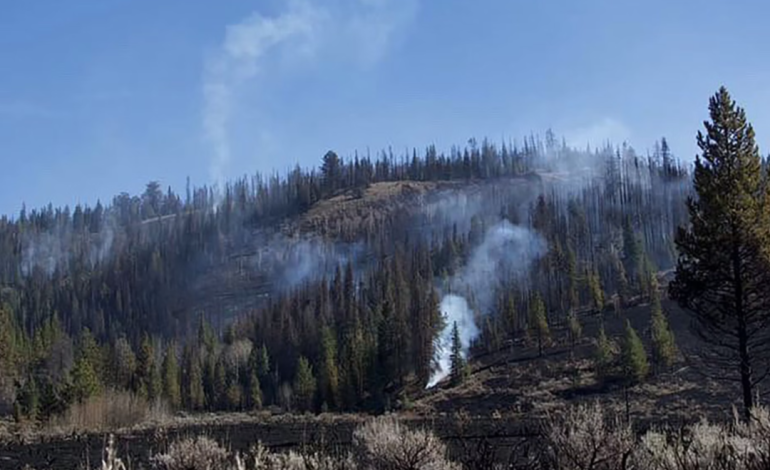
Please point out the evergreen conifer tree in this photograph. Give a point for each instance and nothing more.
(458, 365)
(663, 342)
(171, 389)
(575, 329)
(723, 269)
(329, 373)
(603, 356)
(255, 391)
(304, 385)
(633, 356)
(597, 293)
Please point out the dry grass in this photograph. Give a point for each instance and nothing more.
(108, 412)
(261, 458)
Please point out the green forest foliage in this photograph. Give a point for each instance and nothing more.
(97, 298)
(634, 364)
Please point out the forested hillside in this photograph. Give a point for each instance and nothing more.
(333, 288)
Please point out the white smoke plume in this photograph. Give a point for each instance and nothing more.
(454, 309)
(506, 253)
(355, 31)
(239, 60)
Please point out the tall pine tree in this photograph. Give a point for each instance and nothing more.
(723, 271)
(171, 389)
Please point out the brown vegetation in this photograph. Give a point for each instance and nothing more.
(107, 412)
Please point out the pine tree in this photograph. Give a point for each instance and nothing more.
(624, 289)
(263, 362)
(353, 375)
(234, 395)
(603, 356)
(492, 335)
(171, 389)
(575, 329)
(206, 336)
(510, 315)
(194, 395)
(219, 395)
(663, 343)
(9, 351)
(155, 388)
(85, 383)
(633, 356)
(89, 348)
(632, 251)
(386, 340)
(52, 401)
(646, 275)
(538, 323)
(29, 399)
(330, 171)
(145, 367)
(573, 299)
(210, 390)
(597, 293)
(459, 367)
(328, 378)
(255, 391)
(123, 364)
(304, 385)
(723, 271)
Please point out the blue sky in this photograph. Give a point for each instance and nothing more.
(101, 96)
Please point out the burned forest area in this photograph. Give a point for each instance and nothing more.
(518, 304)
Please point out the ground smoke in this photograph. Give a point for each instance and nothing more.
(506, 254)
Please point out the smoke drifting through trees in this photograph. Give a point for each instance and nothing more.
(364, 250)
(505, 255)
(55, 249)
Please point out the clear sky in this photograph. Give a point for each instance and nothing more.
(101, 96)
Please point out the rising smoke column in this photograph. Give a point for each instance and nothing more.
(507, 252)
(304, 32)
(454, 309)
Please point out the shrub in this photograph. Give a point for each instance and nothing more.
(585, 439)
(385, 444)
(739, 446)
(201, 453)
